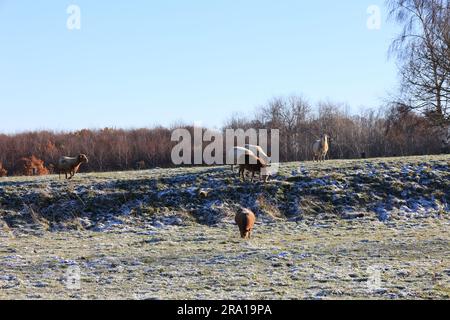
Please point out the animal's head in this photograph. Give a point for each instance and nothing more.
(262, 163)
(326, 138)
(82, 158)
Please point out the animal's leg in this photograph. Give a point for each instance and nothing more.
(253, 175)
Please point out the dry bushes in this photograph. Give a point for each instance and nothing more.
(3, 171)
(31, 166)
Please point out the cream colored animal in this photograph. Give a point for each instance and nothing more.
(259, 152)
(70, 166)
(236, 156)
(320, 148)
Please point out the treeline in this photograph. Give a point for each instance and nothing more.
(107, 149)
(393, 132)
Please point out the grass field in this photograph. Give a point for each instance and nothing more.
(375, 229)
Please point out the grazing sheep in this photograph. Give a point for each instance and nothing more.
(320, 148)
(259, 152)
(236, 156)
(253, 164)
(245, 219)
(69, 165)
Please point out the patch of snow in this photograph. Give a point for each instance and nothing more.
(383, 214)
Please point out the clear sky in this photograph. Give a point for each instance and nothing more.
(144, 62)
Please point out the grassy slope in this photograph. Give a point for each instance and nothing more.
(153, 234)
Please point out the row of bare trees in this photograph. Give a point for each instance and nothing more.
(412, 125)
(108, 149)
(395, 132)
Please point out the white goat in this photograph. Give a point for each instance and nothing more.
(320, 148)
(69, 166)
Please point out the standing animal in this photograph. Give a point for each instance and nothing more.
(70, 166)
(259, 152)
(253, 164)
(320, 148)
(236, 156)
(245, 219)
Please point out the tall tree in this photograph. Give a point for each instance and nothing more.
(422, 49)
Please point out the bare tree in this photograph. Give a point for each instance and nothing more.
(423, 52)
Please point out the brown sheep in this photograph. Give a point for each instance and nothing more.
(70, 166)
(245, 219)
(253, 164)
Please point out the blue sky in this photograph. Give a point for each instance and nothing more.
(139, 63)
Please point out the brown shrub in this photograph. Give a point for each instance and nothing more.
(140, 165)
(3, 172)
(31, 166)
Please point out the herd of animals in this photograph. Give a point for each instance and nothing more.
(249, 158)
(253, 158)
